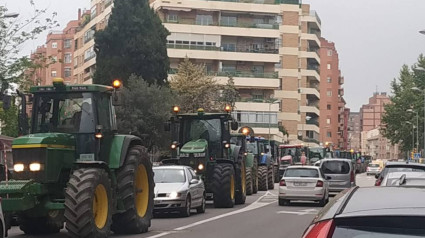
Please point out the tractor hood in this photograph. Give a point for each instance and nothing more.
(51, 140)
(197, 146)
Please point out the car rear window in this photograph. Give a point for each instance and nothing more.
(377, 232)
(374, 165)
(302, 173)
(335, 167)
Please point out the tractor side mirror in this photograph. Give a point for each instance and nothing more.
(167, 126)
(234, 125)
(117, 98)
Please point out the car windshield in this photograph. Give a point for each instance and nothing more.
(335, 167)
(169, 176)
(374, 165)
(64, 113)
(302, 173)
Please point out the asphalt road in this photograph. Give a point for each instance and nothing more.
(260, 217)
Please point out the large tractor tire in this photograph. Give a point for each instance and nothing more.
(276, 173)
(262, 178)
(89, 203)
(41, 225)
(249, 181)
(240, 195)
(270, 178)
(135, 188)
(223, 185)
(254, 179)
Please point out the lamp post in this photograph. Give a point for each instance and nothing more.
(10, 15)
(307, 118)
(417, 127)
(413, 134)
(270, 104)
(420, 90)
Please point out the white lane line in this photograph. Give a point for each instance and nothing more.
(300, 213)
(255, 205)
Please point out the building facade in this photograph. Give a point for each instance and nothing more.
(269, 48)
(332, 103)
(354, 131)
(371, 113)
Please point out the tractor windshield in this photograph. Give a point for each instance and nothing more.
(196, 129)
(63, 113)
(252, 147)
(317, 152)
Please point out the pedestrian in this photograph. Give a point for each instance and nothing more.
(303, 158)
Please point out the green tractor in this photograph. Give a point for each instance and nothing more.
(202, 141)
(74, 168)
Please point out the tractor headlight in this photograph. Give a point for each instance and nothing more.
(35, 167)
(200, 166)
(173, 195)
(18, 167)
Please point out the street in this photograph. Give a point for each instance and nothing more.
(259, 217)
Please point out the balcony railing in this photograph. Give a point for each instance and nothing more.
(107, 3)
(215, 48)
(245, 74)
(313, 122)
(259, 1)
(313, 105)
(228, 24)
(261, 125)
(314, 67)
(311, 140)
(314, 14)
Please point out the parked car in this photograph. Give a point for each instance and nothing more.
(306, 183)
(404, 179)
(341, 173)
(353, 213)
(373, 169)
(398, 167)
(178, 188)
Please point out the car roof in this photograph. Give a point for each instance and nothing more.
(302, 167)
(336, 159)
(404, 164)
(365, 202)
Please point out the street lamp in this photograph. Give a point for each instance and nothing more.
(421, 91)
(417, 127)
(10, 15)
(270, 104)
(413, 134)
(307, 118)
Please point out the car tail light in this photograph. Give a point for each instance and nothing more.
(378, 182)
(352, 177)
(323, 229)
(319, 184)
(282, 183)
(368, 169)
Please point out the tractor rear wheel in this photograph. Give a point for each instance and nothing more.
(270, 178)
(254, 173)
(41, 225)
(276, 173)
(241, 184)
(262, 178)
(223, 185)
(135, 189)
(249, 181)
(89, 203)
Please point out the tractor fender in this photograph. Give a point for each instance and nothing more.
(92, 164)
(129, 140)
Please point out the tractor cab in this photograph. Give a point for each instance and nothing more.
(292, 152)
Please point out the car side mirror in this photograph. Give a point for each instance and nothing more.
(167, 126)
(194, 181)
(234, 125)
(377, 176)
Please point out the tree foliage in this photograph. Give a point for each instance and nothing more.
(398, 122)
(14, 33)
(194, 88)
(9, 120)
(229, 93)
(145, 109)
(134, 42)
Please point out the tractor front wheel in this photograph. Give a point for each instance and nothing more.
(270, 177)
(249, 181)
(88, 203)
(135, 189)
(223, 185)
(262, 178)
(241, 185)
(276, 173)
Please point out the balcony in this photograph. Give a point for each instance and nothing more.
(242, 49)
(314, 67)
(311, 91)
(311, 140)
(258, 1)
(313, 122)
(311, 73)
(257, 106)
(108, 3)
(246, 74)
(226, 24)
(310, 109)
(260, 125)
(312, 37)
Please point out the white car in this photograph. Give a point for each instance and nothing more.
(404, 179)
(307, 183)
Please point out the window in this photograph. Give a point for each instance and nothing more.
(88, 35)
(172, 17)
(89, 54)
(75, 62)
(67, 72)
(76, 44)
(228, 68)
(228, 21)
(329, 66)
(68, 58)
(329, 80)
(329, 93)
(204, 20)
(93, 13)
(229, 47)
(54, 45)
(330, 52)
(328, 121)
(53, 73)
(329, 134)
(67, 43)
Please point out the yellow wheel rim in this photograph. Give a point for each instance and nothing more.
(232, 187)
(142, 190)
(100, 206)
(243, 179)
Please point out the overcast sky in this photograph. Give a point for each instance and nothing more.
(374, 38)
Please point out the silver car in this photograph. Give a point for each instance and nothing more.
(341, 173)
(303, 183)
(178, 189)
(404, 179)
(373, 169)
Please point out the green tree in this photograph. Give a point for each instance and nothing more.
(9, 120)
(145, 109)
(134, 42)
(229, 93)
(194, 88)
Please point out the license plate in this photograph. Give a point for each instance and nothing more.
(300, 184)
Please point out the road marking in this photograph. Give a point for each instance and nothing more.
(300, 213)
(255, 205)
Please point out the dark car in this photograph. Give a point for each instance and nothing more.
(364, 212)
(398, 167)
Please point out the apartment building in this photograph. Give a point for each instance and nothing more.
(354, 131)
(84, 56)
(371, 113)
(332, 104)
(379, 147)
(269, 47)
(55, 56)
